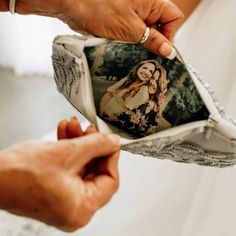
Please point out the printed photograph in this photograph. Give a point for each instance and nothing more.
(140, 92)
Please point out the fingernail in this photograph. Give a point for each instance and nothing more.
(167, 51)
(73, 118)
(172, 54)
(115, 139)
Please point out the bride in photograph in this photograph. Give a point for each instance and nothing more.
(135, 101)
(161, 197)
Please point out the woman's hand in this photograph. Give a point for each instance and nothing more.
(127, 20)
(60, 183)
(121, 19)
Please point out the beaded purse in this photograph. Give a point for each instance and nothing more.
(160, 108)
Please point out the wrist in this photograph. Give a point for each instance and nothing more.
(15, 175)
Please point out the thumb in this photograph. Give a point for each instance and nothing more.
(96, 145)
(159, 44)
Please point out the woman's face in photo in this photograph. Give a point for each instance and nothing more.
(146, 71)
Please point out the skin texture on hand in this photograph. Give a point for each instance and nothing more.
(124, 20)
(60, 183)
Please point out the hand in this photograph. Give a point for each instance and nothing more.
(126, 20)
(72, 129)
(60, 183)
(121, 19)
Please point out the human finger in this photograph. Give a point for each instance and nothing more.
(74, 128)
(90, 129)
(105, 182)
(95, 145)
(166, 18)
(159, 44)
(101, 166)
(62, 129)
(108, 165)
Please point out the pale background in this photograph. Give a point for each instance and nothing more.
(30, 105)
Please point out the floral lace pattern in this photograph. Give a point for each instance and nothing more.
(180, 151)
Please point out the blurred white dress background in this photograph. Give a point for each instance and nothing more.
(26, 41)
(160, 197)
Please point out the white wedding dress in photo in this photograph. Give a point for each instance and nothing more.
(160, 197)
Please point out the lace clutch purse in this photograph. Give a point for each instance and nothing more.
(160, 108)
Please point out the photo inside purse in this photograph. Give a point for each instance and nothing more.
(140, 92)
